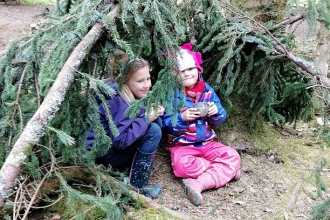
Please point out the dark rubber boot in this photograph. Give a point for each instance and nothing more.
(140, 173)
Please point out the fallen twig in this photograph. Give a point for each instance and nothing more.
(287, 21)
(34, 196)
(36, 126)
(294, 197)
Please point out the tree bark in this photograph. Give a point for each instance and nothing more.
(287, 22)
(321, 79)
(36, 126)
(309, 69)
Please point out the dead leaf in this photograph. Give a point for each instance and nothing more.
(56, 216)
(238, 202)
(238, 189)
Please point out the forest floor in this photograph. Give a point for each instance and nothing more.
(18, 19)
(277, 164)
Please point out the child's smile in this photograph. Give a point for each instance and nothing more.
(189, 77)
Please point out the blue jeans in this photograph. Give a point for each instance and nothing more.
(148, 143)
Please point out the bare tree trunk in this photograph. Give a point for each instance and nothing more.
(36, 126)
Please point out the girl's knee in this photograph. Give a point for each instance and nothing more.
(236, 158)
(154, 129)
(180, 171)
(151, 139)
(188, 167)
(231, 151)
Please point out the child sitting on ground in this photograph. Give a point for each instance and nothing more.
(202, 162)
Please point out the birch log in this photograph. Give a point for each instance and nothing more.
(302, 65)
(36, 126)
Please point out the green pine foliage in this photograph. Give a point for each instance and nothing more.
(247, 64)
(320, 211)
(32, 166)
(88, 206)
(239, 58)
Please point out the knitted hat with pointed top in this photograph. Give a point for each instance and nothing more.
(188, 58)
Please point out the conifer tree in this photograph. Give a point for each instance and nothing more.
(241, 56)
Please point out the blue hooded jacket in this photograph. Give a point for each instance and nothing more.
(130, 130)
(196, 132)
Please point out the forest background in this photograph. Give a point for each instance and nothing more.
(278, 162)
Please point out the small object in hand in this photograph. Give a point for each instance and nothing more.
(202, 107)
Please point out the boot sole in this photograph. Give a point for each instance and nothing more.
(194, 197)
(152, 191)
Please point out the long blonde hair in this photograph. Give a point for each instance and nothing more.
(131, 67)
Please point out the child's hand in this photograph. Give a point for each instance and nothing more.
(161, 110)
(190, 114)
(212, 109)
(156, 112)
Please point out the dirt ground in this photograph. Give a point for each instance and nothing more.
(17, 19)
(270, 187)
(275, 185)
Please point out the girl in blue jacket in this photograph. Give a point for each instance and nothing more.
(197, 157)
(138, 138)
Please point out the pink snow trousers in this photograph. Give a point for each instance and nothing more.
(221, 161)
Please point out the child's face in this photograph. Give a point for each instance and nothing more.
(188, 77)
(140, 82)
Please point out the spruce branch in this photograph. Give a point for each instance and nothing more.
(64, 137)
(302, 64)
(37, 88)
(17, 106)
(144, 201)
(36, 126)
(280, 47)
(35, 195)
(18, 95)
(287, 21)
(259, 24)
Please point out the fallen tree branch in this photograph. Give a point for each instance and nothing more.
(294, 197)
(146, 202)
(299, 62)
(287, 21)
(280, 47)
(36, 126)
